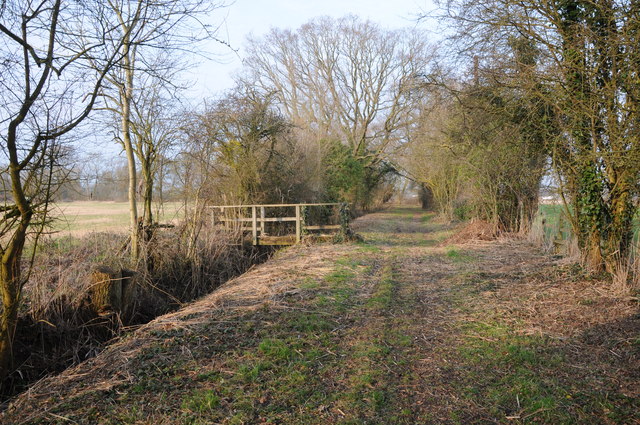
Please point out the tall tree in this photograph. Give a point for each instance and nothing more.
(150, 26)
(154, 126)
(587, 71)
(48, 89)
(347, 80)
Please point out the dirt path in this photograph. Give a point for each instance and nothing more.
(400, 329)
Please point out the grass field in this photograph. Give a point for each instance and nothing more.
(83, 217)
(556, 220)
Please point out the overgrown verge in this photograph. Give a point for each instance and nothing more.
(552, 230)
(550, 346)
(71, 310)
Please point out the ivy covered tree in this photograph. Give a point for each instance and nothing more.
(586, 71)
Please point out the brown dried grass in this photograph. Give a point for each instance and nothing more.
(262, 285)
(60, 327)
(474, 230)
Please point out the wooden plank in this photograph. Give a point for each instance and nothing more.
(276, 205)
(278, 240)
(267, 220)
(254, 225)
(323, 227)
(298, 224)
(277, 243)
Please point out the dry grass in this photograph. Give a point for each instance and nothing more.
(81, 218)
(475, 230)
(60, 325)
(398, 329)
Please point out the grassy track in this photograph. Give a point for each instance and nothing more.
(400, 329)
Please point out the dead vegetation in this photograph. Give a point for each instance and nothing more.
(81, 294)
(398, 329)
(474, 230)
(118, 365)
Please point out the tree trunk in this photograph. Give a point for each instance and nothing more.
(147, 196)
(10, 287)
(590, 209)
(126, 96)
(619, 231)
(10, 264)
(426, 197)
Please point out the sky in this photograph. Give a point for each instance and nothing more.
(257, 17)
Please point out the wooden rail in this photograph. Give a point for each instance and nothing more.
(258, 219)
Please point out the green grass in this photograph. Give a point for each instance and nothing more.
(340, 276)
(383, 295)
(368, 248)
(427, 217)
(275, 349)
(557, 224)
(310, 323)
(457, 255)
(286, 370)
(512, 374)
(202, 401)
(280, 378)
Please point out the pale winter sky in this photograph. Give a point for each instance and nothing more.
(256, 17)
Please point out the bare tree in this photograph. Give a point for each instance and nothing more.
(343, 79)
(47, 90)
(430, 157)
(150, 27)
(154, 126)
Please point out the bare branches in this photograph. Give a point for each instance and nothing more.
(585, 70)
(76, 43)
(343, 77)
(347, 80)
(152, 32)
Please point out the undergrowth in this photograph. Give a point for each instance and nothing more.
(60, 324)
(523, 377)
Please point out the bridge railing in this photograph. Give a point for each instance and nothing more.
(261, 220)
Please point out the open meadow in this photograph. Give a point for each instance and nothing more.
(80, 218)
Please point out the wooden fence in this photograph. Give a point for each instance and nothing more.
(258, 217)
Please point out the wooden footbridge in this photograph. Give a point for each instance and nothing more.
(281, 224)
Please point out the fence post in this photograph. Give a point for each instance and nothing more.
(254, 225)
(213, 217)
(262, 216)
(298, 224)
